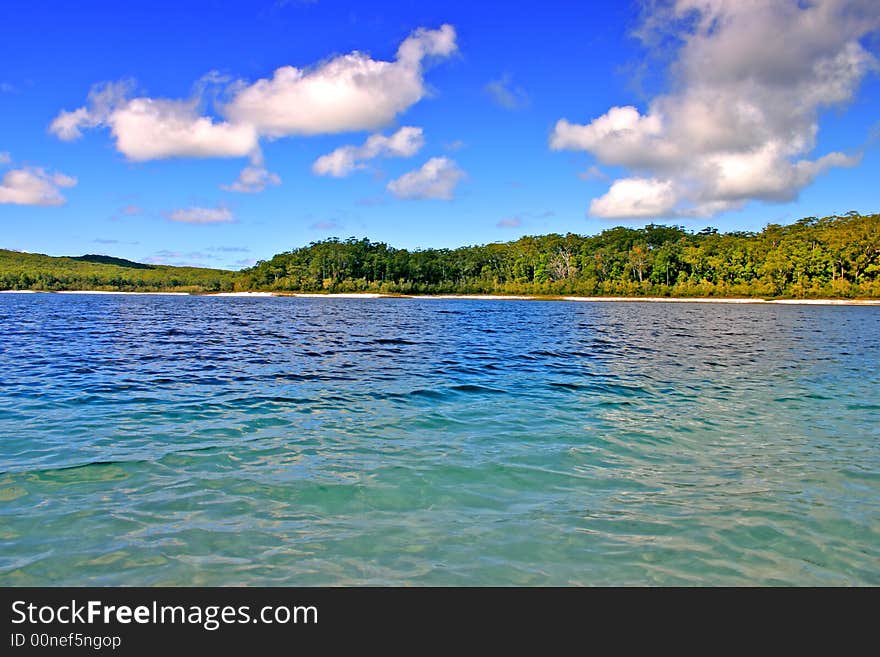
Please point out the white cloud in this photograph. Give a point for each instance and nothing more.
(150, 129)
(34, 186)
(510, 222)
(67, 125)
(103, 99)
(436, 179)
(406, 142)
(635, 197)
(347, 93)
(5, 158)
(505, 94)
(197, 215)
(253, 179)
(749, 82)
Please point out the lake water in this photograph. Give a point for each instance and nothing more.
(150, 440)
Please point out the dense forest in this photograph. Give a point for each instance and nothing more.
(835, 256)
(831, 257)
(33, 271)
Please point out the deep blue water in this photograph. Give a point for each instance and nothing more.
(195, 440)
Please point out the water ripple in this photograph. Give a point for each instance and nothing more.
(200, 441)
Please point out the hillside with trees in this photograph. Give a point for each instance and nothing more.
(835, 256)
(832, 257)
(34, 271)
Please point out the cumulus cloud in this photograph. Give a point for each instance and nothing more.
(346, 93)
(636, 198)
(253, 179)
(5, 158)
(151, 129)
(505, 94)
(436, 179)
(748, 84)
(197, 215)
(510, 222)
(406, 142)
(33, 186)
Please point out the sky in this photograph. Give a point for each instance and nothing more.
(220, 133)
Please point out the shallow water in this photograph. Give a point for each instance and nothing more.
(198, 441)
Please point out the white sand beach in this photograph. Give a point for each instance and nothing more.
(828, 302)
(808, 302)
(483, 297)
(341, 295)
(119, 293)
(666, 299)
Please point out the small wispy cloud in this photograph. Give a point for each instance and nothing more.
(593, 173)
(517, 220)
(202, 216)
(436, 179)
(252, 180)
(100, 240)
(180, 258)
(371, 201)
(228, 249)
(505, 94)
(406, 142)
(325, 225)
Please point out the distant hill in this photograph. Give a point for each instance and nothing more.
(35, 271)
(110, 260)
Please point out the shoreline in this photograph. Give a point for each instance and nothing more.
(478, 297)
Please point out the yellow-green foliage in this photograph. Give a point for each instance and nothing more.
(33, 271)
(832, 257)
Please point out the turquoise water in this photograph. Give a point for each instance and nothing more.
(276, 441)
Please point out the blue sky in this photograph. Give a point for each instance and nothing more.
(492, 121)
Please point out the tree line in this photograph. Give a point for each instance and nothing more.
(836, 256)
